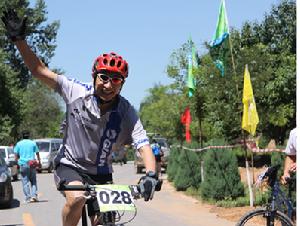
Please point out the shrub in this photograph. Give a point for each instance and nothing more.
(188, 173)
(221, 176)
(173, 163)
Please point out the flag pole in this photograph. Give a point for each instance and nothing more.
(247, 171)
(233, 63)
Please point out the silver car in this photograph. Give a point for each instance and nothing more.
(48, 148)
(7, 152)
(6, 188)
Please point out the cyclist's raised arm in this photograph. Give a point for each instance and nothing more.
(15, 29)
(35, 65)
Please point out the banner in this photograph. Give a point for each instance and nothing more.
(186, 120)
(250, 116)
(222, 30)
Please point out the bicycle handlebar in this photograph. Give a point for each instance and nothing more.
(134, 189)
(87, 187)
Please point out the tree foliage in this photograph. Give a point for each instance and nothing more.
(22, 97)
(221, 174)
(42, 114)
(188, 171)
(268, 48)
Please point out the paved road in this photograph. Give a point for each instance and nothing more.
(167, 208)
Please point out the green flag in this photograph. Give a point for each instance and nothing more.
(219, 64)
(222, 31)
(192, 63)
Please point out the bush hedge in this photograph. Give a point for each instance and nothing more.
(221, 176)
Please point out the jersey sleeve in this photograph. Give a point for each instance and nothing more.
(291, 144)
(138, 134)
(70, 89)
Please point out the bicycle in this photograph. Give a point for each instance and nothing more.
(110, 200)
(279, 210)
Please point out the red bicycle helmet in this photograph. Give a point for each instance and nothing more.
(111, 62)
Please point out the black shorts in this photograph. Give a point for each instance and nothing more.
(67, 174)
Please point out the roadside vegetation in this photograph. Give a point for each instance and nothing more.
(269, 49)
(24, 102)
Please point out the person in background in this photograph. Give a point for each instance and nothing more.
(156, 149)
(25, 151)
(290, 159)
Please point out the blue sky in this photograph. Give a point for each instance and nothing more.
(145, 33)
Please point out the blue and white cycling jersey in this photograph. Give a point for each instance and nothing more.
(90, 136)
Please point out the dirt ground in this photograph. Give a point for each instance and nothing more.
(231, 214)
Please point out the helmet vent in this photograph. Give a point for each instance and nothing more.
(119, 64)
(105, 61)
(112, 62)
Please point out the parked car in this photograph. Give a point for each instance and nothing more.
(48, 148)
(7, 152)
(139, 163)
(6, 189)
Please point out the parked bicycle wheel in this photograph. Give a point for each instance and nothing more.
(262, 217)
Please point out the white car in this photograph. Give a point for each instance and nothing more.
(7, 152)
(48, 148)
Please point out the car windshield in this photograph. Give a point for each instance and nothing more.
(43, 146)
(2, 153)
(2, 161)
(10, 150)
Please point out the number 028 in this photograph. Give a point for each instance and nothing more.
(115, 197)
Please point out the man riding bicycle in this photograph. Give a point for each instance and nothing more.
(98, 120)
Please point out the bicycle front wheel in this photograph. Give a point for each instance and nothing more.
(262, 217)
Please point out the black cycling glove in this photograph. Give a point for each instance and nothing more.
(15, 26)
(147, 185)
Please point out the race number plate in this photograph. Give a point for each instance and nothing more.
(114, 197)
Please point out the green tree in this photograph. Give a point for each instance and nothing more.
(221, 176)
(216, 107)
(276, 77)
(188, 173)
(160, 111)
(173, 162)
(41, 111)
(9, 101)
(14, 76)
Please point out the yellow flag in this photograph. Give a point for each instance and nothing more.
(250, 116)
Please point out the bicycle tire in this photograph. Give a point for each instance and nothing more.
(257, 218)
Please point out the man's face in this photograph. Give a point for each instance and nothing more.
(108, 85)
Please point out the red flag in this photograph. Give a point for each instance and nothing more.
(186, 120)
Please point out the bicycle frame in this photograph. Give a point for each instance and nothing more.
(278, 198)
(279, 207)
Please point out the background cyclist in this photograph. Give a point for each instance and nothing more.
(98, 119)
(290, 159)
(156, 149)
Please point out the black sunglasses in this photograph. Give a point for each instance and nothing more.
(105, 79)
